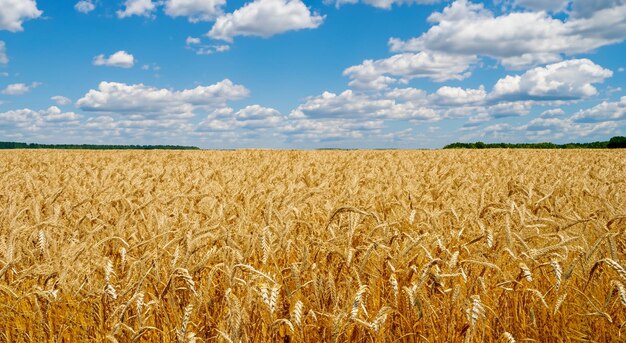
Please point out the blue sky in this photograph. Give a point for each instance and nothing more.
(304, 74)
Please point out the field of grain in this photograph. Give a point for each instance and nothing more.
(257, 246)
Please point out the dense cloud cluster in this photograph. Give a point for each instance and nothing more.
(549, 82)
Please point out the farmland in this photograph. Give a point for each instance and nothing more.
(237, 246)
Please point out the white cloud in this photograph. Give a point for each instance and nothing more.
(54, 115)
(211, 49)
(386, 4)
(195, 10)
(554, 112)
(3, 53)
(379, 74)
(543, 5)
(138, 8)
(567, 80)
(29, 117)
(120, 59)
(512, 96)
(541, 130)
(14, 12)
(192, 40)
(195, 45)
(603, 112)
(25, 122)
(557, 128)
(587, 8)
(61, 100)
(510, 109)
(518, 39)
(349, 104)
(265, 18)
(250, 117)
(256, 112)
(458, 96)
(480, 113)
(153, 67)
(408, 94)
(19, 88)
(140, 101)
(85, 6)
(101, 122)
(328, 129)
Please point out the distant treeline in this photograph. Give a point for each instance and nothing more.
(613, 143)
(16, 145)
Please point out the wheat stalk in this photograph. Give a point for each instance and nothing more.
(556, 267)
(181, 334)
(356, 303)
(620, 289)
(507, 337)
(525, 273)
(476, 310)
(296, 314)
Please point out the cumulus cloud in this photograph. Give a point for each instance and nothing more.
(141, 101)
(543, 5)
(513, 95)
(386, 4)
(540, 130)
(195, 10)
(328, 129)
(27, 123)
(458, 96)
(61, 100)
(14, 12)
(557, 128)
(250, 117)
(85, 6)
(379, 74)
(349, 104)
(138, 8)
(603, 112)
(517, 39)
(19, 88)
(30, 117)
(192, 41)
(509, 109)
(120, 59)
(3, 53)
(554, 112)
(346, 104)
(265, 18)
(408, 94)
(567, 80)
(586, 8)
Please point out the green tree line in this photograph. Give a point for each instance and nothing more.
(613, 143)
(17, 145)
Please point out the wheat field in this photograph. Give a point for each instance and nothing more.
(312, 246)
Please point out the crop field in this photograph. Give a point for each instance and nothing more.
(313, 246)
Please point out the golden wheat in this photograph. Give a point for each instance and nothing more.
(311, 246)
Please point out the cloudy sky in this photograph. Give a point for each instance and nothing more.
(309, 74)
